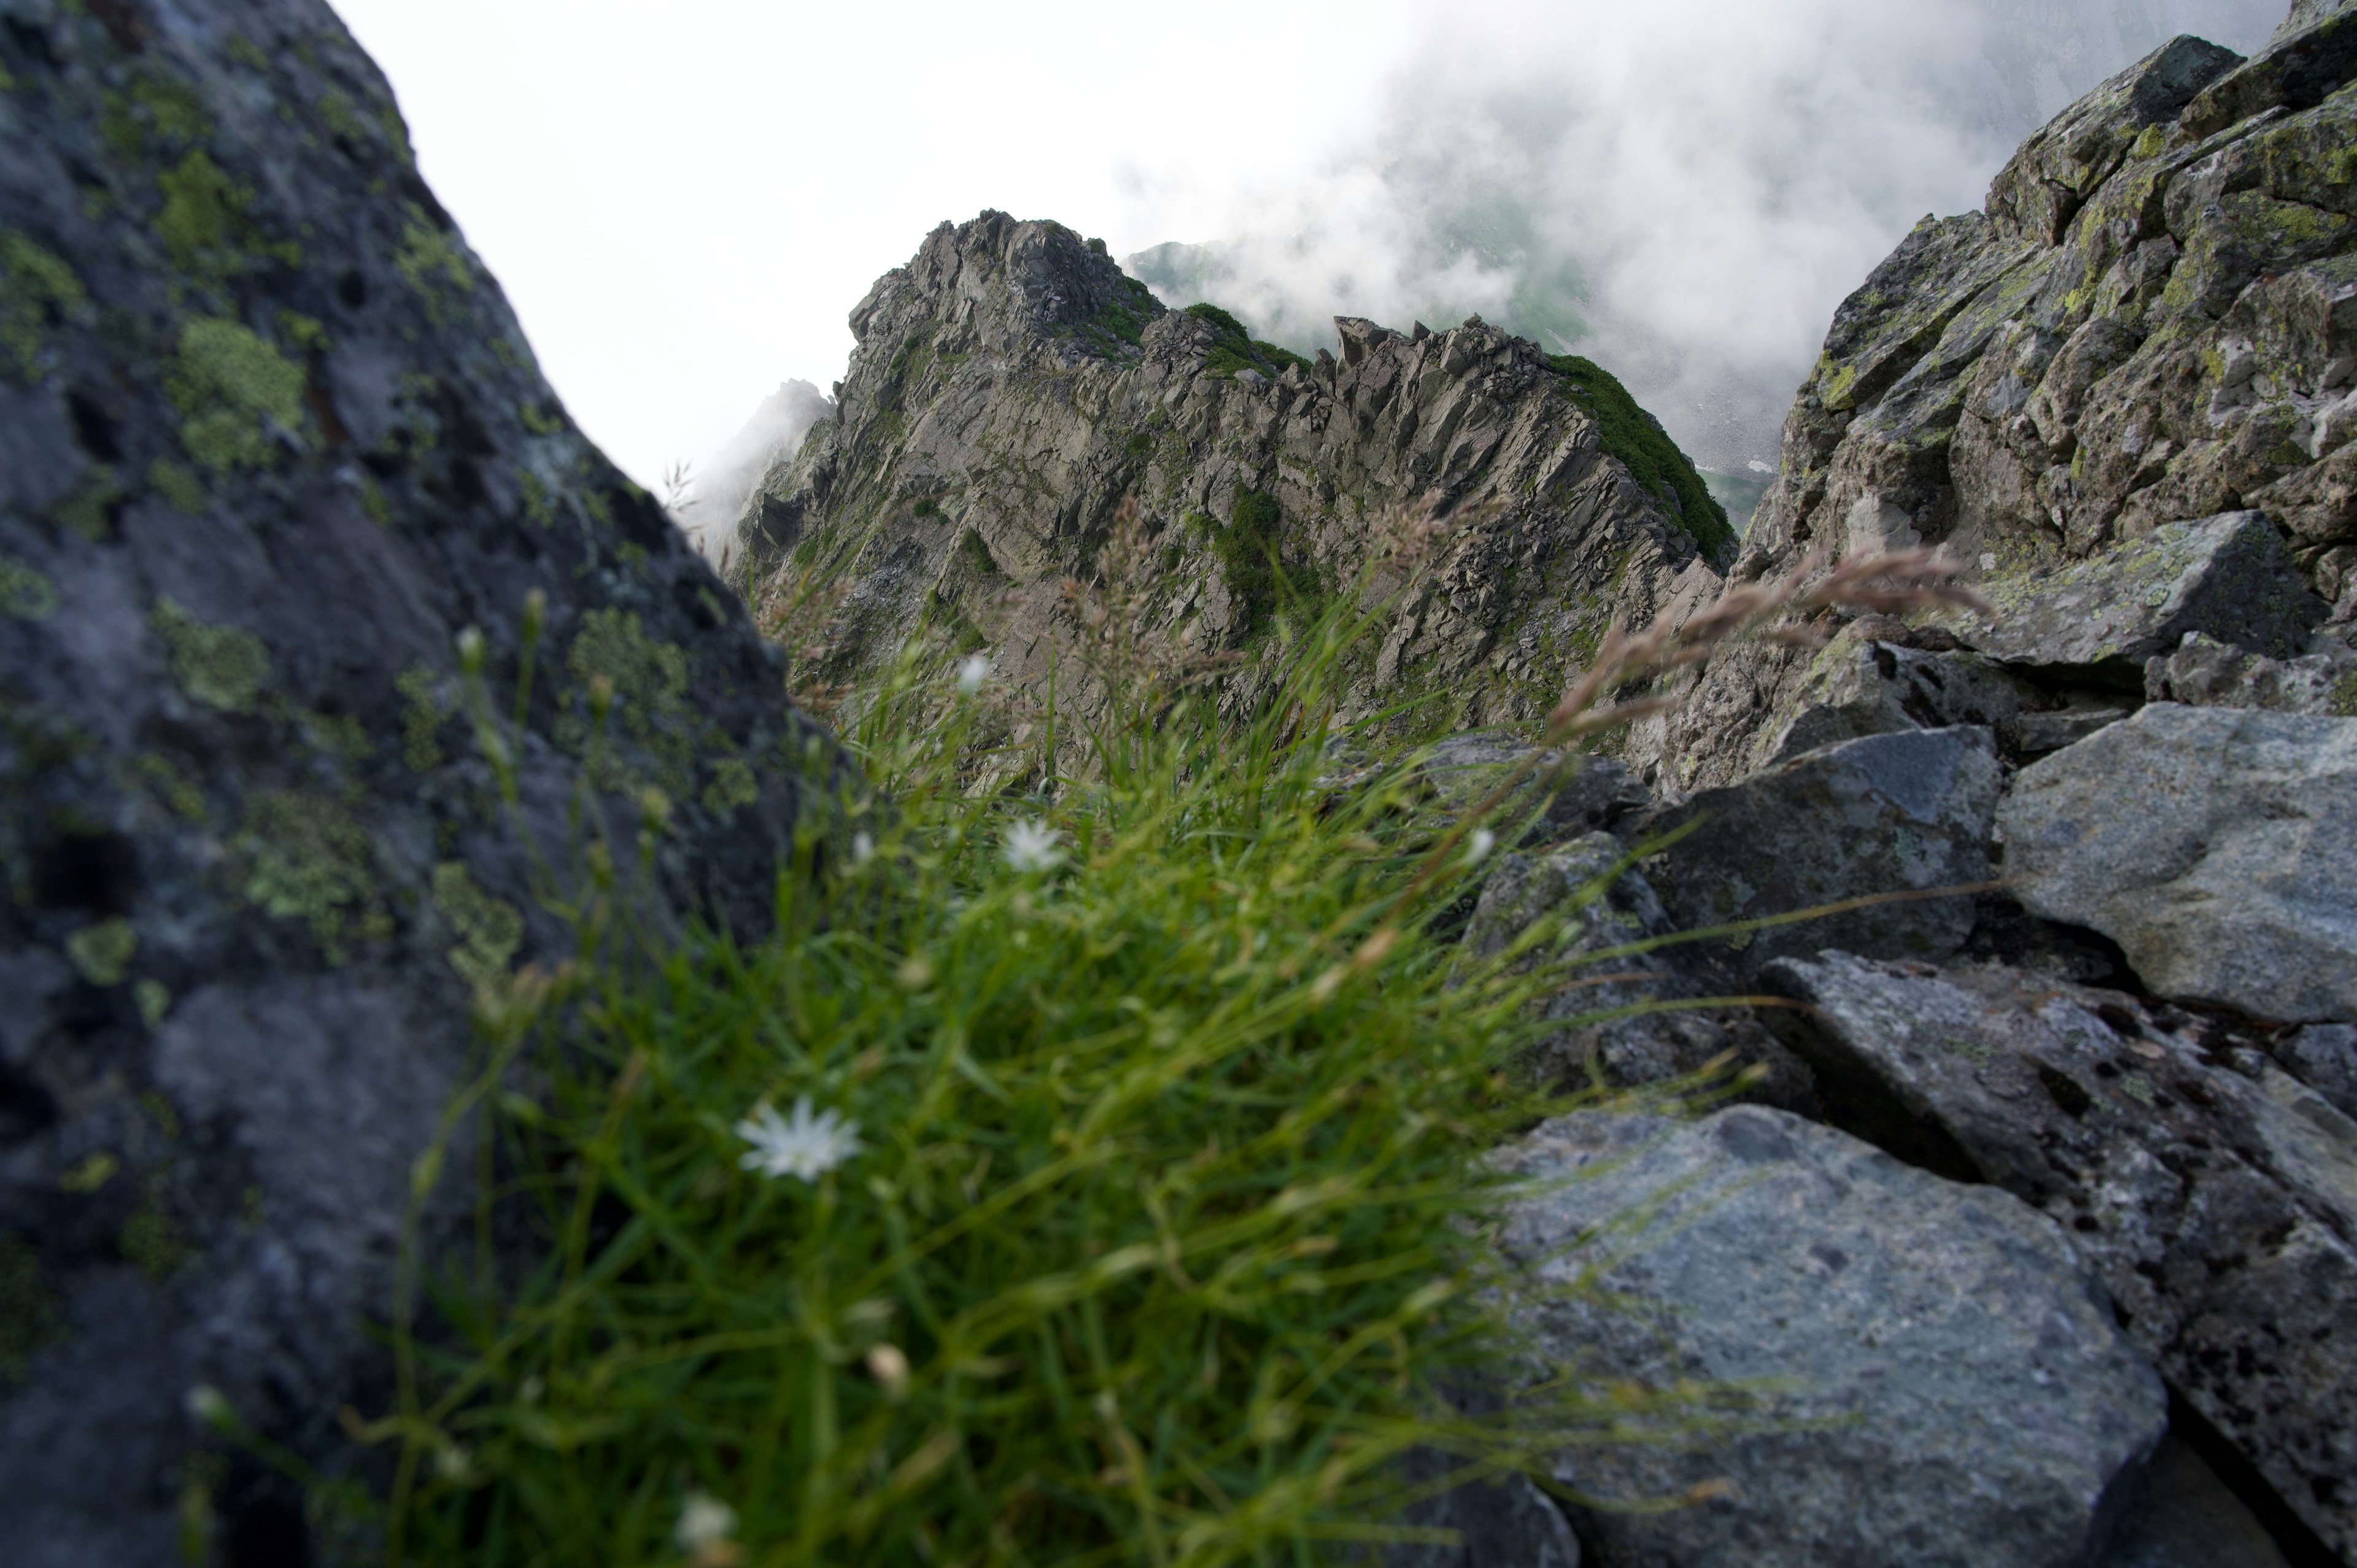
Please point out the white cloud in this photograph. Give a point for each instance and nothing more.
(684, 201)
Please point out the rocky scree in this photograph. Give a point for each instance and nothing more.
(271, 442)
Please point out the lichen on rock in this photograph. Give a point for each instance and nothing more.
(260, 403)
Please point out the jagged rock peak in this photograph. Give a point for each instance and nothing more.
(1011, 388)
(997, 281)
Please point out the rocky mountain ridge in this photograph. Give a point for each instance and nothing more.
(1012, 388)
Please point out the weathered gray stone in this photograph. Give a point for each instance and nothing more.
(1888, 813)
(2218, 1209)
(2205, 673)
(2324, 1058)
(1866, 683)
(1952, 1388)
(270, 442)
(2212, 845)
(2228, 577)
(1506, 1523)
(1604, 905)
(1558, 800)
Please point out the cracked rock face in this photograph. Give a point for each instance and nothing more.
(270, 441)
(2153, 321)
(1953, 1387)
(1887, 813)
(2212, 844)
(1011, 387)
(2220, 1206)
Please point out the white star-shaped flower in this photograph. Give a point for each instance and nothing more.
(971, 675)
(704, 1521)
(1478, 845)
(808, 1146)
(1031, 847)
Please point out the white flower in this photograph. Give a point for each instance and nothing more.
(973, 673)
(704, 1521)
(210, 1405)
(808, 1146)
(1479, 843)
(1988, 560)
(1031, 847)
(863, 849)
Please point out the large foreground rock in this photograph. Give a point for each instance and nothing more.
(270, 442)
(1958, 1393)
(2214, 844)
(2220, 1208)
(1888, 813)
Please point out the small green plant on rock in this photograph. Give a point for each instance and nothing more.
(1088, 1169)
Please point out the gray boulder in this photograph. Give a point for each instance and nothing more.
(2212, 845)
(1887, 813)
(1941, 1383)
(1559, 800)
(2218, 1207)
(1867, 680)
(2324, 1058)
(2206, 673)
(1630, 1018)
(271, 441)
(2228, 577)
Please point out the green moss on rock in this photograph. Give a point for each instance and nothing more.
(307, 858)
(30, 1318)
(102, 953)
(649, 682)
(232, 387)
(221, 666)
(183, 489)
(431, 266)
(89, 509)
(1237, 350)
(1645, 449)
(38, 292)
(733, 786)
(151, 1241)
(421, 714)
(24, 592)
(203, 220)
(490, 930)
(151, 108)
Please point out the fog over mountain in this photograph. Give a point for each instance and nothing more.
(1681, 194)
(684, 213)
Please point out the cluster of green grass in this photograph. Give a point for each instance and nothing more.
(1121, 324)
(1237, 350)
(1165, 1221)
(1249, 550)
(1647, 451)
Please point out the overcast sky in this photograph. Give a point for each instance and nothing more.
(684, 200)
